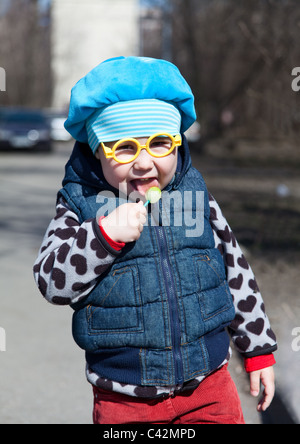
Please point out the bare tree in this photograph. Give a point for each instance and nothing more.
(238, 57)
(25, 54)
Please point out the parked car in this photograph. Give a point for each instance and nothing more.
(24, 129)
(56, 121)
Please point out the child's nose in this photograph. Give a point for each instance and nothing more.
(144, 161)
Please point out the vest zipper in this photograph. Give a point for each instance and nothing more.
(173, 306)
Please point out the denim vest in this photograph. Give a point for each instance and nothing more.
(158, 315)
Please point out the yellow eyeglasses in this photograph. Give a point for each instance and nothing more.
(127, 150)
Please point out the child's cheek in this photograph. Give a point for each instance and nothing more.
(167, 169)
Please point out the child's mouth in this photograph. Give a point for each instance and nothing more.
(142, 185)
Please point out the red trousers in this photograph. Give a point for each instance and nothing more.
(215, 401)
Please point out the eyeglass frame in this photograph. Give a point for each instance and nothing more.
(109, 153)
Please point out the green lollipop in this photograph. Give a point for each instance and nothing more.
(152, 195)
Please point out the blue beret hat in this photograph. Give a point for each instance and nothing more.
(125, 79)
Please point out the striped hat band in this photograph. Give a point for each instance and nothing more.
(134, 118)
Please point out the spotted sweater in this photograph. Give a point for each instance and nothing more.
(73, 256)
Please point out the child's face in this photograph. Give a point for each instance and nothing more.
(138, 176)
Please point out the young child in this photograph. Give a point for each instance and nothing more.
(155, 288)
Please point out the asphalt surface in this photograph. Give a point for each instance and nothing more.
(42, 371)
(42, 378)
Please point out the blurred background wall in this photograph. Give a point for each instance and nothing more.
(84, 33)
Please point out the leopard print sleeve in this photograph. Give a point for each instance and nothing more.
(250, 330)
(71, 258)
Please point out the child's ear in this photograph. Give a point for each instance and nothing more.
(97, 155)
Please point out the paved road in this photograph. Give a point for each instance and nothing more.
(42, 378)
(42, 370)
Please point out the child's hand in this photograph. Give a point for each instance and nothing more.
(126, 222)
(267, 378)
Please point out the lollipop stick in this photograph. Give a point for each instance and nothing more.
(146, 203)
